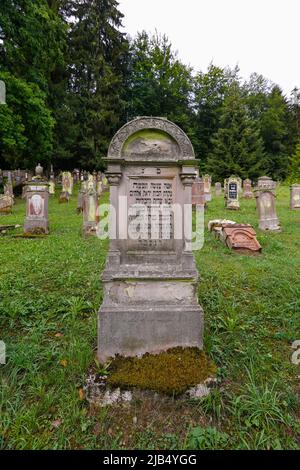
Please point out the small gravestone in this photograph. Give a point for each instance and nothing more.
(232, 194)
(247, 189)
(89, 207)
(150, 281)
(198, 196)
(295, 197)
(266, 204)
(6, 203)
(207, 187)
(37, 193)
(52, 182)
(67, 182)
(218, 189)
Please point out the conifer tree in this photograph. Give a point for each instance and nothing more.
(237, 145)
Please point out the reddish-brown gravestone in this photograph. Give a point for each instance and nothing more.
(198, 196)
(241, 238)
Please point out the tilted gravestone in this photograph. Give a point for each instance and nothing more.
(37, 194)
(150, 280)
(266, 204)
(232, 193)
(295, 197)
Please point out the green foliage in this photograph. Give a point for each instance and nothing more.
(26, 124)
(206, 439)
(159, 83)
(237, 146)
(50, 291)
(294, 166)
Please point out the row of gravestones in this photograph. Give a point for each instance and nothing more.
(150, 299)
(264, 193)
(37, 192)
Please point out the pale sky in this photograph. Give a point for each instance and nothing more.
(260, 36)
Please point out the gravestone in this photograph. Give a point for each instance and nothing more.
(37, 194)
(218, 189)
(6, 203)
(52, 182)
(232, 194)
(241, 238)
(150, 280)
(207, 187)
(240, 185)
(247, 188)
(295, 197)
(266, 204)
(89, 206)
(67, 182)
(198, 196)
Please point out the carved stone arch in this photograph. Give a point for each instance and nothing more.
(186, 151)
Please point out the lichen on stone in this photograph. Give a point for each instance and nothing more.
(171, 372)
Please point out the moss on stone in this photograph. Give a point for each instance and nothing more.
(147, 134)
(171, 372)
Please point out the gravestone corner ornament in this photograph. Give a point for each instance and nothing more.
(150, 282)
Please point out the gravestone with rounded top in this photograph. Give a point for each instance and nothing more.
(295, 197)
(37, 194)
(266, 204)
(150, 280)
(232, 193)
(218, 189)
(247, 189)
(198, 196)
(207, 187)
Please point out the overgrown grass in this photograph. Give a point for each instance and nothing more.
(50, 292)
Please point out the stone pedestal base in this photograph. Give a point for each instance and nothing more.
(270, 224)
(143, 316)
(36, 226)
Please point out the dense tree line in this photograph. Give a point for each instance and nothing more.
(73, 78)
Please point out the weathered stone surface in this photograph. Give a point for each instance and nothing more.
(232, 193)
(89, 207)
(37, 194)
(218, 189)
(295, 197)
(247, 189)
(207, 187)
(241, 238)
(150, 284)
(198, 196)
(67, 182)
(6, 203)
(266, 204)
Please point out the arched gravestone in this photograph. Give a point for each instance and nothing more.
(232, 193)
(266, 204)
(150, 285)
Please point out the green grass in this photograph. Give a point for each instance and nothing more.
(50, 292)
